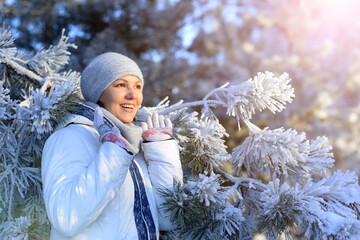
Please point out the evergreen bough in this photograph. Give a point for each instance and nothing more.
(280, 185)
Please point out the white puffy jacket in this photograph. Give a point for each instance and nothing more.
(88, 189)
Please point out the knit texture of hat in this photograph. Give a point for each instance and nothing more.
(103, 70)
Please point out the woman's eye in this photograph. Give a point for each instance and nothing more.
(120, 85)
(138, 86)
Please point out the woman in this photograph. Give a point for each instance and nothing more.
(101, 172)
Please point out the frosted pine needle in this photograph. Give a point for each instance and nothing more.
(205, 148)
(49, 61)
(7, 105)
(6, 44)
(281, 211)
(281, 154)
(242, 100)
(208, 189)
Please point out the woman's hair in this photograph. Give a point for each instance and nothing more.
(100, 104)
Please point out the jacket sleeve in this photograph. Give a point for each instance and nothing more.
(164, 167)
(78, 185)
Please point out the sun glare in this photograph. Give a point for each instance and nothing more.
(344, 13)
(337, 21)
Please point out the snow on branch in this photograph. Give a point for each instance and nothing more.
(207, 189)
(31, 103)
(327, 206)
(7, 55)
(7, 105)
(280, 211)
(42, 108)
(205, 148)
(241, 101)
(342, 188)
(200, 209)
(22, 228)
(281, 154)
(321, 210)
(20, 69)
(46, 62)
(201, 141)
(17, 172)
(6, 43)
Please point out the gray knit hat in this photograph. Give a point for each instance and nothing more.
(103, 70)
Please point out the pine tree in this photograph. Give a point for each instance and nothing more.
(34, 93)
(281, 182)
(306, 39)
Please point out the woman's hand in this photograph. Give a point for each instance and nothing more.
(157, 128)
(108, 134)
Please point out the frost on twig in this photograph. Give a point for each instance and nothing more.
(320, 209)
(264, 91)
(7, 105)
(242, 100)
(46, 62)
(6, 44)
(206, 147)
(283, 154)
(42, 108)
(22, 228)
(199, 207)
(261, 92)
(8, 56)
(201, 140)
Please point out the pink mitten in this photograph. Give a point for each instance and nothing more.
(108, 134)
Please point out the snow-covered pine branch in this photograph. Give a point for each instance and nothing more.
(46, 62)
(319, 210)
(43, 107)
(7, 105)
(201, 140)
(30, 105)
(290, 202)
(6, 44)
(283, 154)
(8, 55)
(264, 91)
(205, 149)
(202, 143)
(199, 207)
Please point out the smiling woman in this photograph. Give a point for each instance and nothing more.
(97, 183)
(123, 98)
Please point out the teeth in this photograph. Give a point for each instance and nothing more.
(127, 106)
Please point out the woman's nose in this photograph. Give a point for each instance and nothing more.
(131, 94)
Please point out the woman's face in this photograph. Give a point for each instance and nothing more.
(123, 98)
